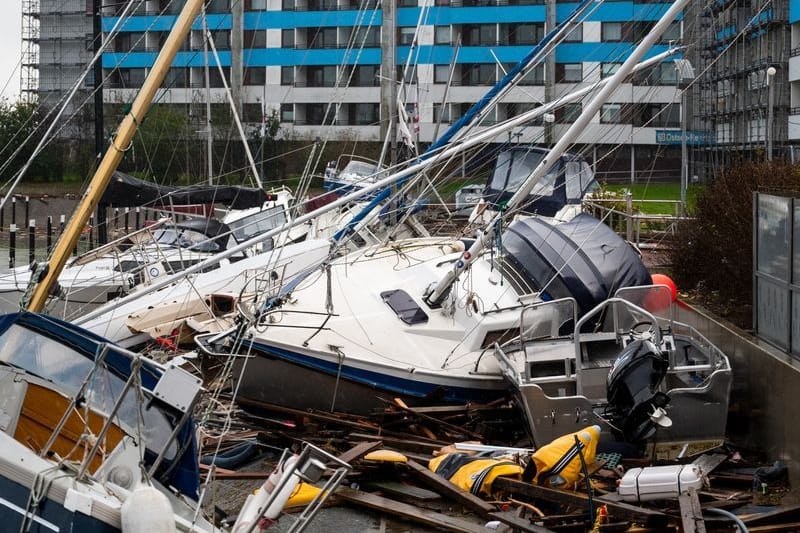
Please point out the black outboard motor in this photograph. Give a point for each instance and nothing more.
(632, 389)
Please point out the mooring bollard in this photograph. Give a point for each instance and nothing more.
(49, 235)
(12, 245)
(31, 241)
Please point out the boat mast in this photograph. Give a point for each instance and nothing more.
(435, 297)
(44, 278)
(455, 130)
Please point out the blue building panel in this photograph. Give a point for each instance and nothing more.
(622, 11)
(794, 11)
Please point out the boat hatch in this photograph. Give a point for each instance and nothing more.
(404, 307)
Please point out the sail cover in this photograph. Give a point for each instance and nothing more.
(127, 191)
(583, 259)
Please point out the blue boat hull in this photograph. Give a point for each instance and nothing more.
(50, 516)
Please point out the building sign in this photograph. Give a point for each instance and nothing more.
(692, 137)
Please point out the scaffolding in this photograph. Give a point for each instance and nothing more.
(29, 65)
(742, 50)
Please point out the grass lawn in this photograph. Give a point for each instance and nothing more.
(656, 191)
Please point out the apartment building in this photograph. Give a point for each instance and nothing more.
(295, 57)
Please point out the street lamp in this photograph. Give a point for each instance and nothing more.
(685, 77)
(770, 102)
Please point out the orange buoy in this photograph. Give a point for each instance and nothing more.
(662, 279)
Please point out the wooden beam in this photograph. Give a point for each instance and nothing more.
(782, 514)
(408, 512)
(362, 448)
(469, 500)
(621, 510)
(450, 490)
(691, 513)
(777, 528)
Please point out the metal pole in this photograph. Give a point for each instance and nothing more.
(207, 76)
(770, 103)
(684, 153)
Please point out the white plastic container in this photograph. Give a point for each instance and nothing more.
(659, 482)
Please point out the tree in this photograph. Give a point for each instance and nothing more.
(21, 130)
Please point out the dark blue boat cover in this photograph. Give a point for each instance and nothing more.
(583, 259)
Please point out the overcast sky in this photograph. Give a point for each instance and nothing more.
(10, 44)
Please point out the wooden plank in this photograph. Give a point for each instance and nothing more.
(399, 404)
(782, 514)
(445, 488)
(621, 510)
(403, 490)
(709, 461)
(415, 445)
(467, 499)
(777, 528)
(362, 448)
(691, 513)
(408, 512)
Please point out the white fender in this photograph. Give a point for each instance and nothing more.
(147, 510)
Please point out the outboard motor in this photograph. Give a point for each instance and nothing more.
(635, 405)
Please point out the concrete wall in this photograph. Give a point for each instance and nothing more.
(764, 409)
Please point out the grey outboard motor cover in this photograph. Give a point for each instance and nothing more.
(583, 259)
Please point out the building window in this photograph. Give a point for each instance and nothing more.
(441, 35)
(657, 116)
(255, 39)
(515, 34)
(256, 5)
(368, 37)
(441, 73)
(287, 112)
(724, 133)
(222, 39)
(478, 74)
(323, 38)
(365, 76)
(287, 75)
(569, 72)
(441, 113)
(611, 31)
(287, 38)
(319, 114)
(672, 33)
(567, 113)
(534, 76)
(363, 114)
(405, 36)
(176, 78)
(608, 69)
(287, 5)
(218, 6)
(514, 109)
(479, 35)
(661, 74)
(407, 3)
(611, 114)
(576, 35)
(321, 76)
(255, 76)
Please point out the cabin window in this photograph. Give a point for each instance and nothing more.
(404, 307)
(64, 366)
(499, 336)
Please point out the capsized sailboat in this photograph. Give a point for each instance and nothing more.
(440, 320)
